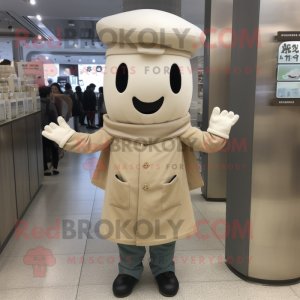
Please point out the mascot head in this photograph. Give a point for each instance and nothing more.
(148, 75)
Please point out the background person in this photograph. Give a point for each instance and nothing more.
(5, 62)
(89, 104)
(79, 97)
(57, 92)
(48, 114)
(101, 107)
(50, 81)
(68, 90)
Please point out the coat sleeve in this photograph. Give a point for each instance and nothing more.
(89, 143)
(202, 140)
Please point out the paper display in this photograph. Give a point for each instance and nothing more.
(25, 105)
(30, 105)
(288, 73)
(20, 108)
(14, 84)
(289, 53)
(288, 90)
(11, 109)
(38, 103)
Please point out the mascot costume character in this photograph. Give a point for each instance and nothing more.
(147, 164)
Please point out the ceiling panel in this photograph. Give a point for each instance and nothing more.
(6, 21)
(64, 8)
(82, 29)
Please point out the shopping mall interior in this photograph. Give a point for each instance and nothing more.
(149, 149)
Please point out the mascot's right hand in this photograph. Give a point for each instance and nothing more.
(58, 134)
(220, 123)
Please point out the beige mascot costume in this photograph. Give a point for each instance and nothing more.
(147, 166)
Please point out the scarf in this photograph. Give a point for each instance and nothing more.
(147, 134)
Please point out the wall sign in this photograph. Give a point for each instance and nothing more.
(288, 90)
(289, 53)
(293, 102)
(288, 36)
(288, 73)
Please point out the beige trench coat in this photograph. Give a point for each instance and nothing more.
(147, 199)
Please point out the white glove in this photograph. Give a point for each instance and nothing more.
(58, 134)
(220, 124)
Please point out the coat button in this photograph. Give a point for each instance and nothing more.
(146, 165)
(145, 187)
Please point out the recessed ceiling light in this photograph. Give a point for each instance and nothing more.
(39, 37)
(79, 59)
(75, 45)
(39, 17)
(47, 57)
(32, 2)
(93, 60)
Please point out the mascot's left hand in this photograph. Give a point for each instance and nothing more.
(221, 123)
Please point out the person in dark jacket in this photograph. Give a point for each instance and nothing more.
(68, 90)
(48, 115)
(101, 106)
(5, 62)
(89, 104)
(79, 97)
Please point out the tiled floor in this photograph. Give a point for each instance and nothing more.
(84, 268)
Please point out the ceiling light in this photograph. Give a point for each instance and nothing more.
(79, 59)
(75, 45)
(93, 60)
(39, 37)
(32, 2)
(47, 57)
(39, 17)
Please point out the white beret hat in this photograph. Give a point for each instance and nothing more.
(149, 31)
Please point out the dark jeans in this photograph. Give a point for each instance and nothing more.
(131, 258)
(101, 119)
(90, 116)
(49, 144)
(81, 119)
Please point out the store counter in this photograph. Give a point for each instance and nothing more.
(21, 169)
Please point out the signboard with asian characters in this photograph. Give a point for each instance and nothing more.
(289, 53)
(30, 68)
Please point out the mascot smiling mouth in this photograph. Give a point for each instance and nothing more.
(147, 108)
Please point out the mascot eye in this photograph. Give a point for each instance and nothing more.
(122, 78)
(175, 79)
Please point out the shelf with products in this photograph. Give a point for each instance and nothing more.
(19, 96)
